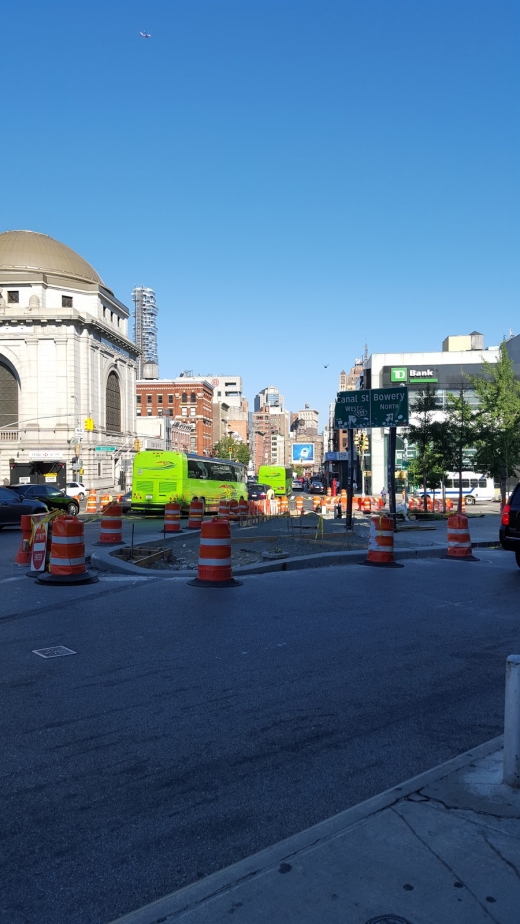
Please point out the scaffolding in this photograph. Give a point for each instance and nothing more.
(145, 328)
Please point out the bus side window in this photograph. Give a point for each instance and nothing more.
(465, 482)
(483, 483)
(474, 482)
(449, 483)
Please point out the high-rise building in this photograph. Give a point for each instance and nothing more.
(268, 397)
(145, 332)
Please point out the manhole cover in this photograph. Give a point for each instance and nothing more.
(388, 919)
(57, 652)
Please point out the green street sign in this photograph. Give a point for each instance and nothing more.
(389, 407)
(371, 407)
(105, 448)
(352, 410)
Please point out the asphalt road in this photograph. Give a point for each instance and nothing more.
(194, 727)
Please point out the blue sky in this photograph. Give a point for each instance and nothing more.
(293, 178)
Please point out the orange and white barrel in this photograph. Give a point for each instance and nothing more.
(111, 531)
(343, 500)
(91, 502)
(214, 569)
(243, 509)
(299, 505)
(23, 556)
(223, 509)
(172, 517)
(196, 514)
(67, 558)
(381, 542)
(367, 504)
(234, 515)
(459, 540)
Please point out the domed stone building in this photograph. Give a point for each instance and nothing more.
(67, 367)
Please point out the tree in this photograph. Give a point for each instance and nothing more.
(459, 431)
(229, 448)
(424, 435)
(498, 420)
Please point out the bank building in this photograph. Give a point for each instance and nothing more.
(67, 368)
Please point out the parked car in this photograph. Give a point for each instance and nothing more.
(75, 489)
(510, 527)
(48, 494)
(257, 491)
(126, 502)
(297, 485)
(12, 507)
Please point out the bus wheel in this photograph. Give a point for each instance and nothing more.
(470, 499)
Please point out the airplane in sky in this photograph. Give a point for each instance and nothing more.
(145, 34)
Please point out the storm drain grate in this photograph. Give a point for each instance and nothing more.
(55, 652)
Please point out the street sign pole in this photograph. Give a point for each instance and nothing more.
(392, 442)
(350, 489)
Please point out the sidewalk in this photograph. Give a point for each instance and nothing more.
(442, 848)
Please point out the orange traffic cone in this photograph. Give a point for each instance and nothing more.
(459, 541)
(91, 502)
(196, 514)
(67, 561)
(215, 556)
(223, 509)
(23, 556)
(381, 543)
(172, 517)
(111, 532)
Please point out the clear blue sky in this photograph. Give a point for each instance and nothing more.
(291, 177)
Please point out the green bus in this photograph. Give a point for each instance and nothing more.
(160, 477)
(279, 477)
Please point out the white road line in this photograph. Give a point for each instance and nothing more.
(5, 580)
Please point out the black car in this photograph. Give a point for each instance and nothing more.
(48, 494)
(12, 507)
(316, 487)
(510, 526)
(126, 502)
(257, 491)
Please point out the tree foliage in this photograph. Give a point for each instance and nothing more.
(497, 434)
(427, 437)
(229, 448)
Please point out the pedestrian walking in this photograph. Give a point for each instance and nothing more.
(270, 498)
(383, 495)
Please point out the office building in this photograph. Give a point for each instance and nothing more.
(145, 332)
(188, 399)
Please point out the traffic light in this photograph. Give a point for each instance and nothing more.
(137, 445)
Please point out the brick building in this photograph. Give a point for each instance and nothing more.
(188, 399)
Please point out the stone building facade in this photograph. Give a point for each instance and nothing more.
(67, 368)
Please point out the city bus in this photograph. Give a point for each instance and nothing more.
(160, 477)
(475, 487)
(278, 477)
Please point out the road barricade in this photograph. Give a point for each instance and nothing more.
(214, 568)
(105, 501)
(23, 556)
(91, 502)
(243, 510)
(223, 509)
(234, 515)
(459, 540)
(67, 561)
(111, 531)
(172, 517)
(381, 543)
(299, 505)
(196, 514)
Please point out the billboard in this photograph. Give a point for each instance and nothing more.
(302, 453)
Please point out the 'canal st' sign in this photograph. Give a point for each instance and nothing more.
(371, 407)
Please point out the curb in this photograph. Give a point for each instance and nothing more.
(171, 906)
(107, 562)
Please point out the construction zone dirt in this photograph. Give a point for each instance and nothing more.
(278, 537)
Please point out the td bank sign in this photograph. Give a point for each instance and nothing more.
(404, 375)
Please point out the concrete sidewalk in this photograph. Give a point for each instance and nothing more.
(442, 848)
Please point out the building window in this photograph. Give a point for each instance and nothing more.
(193, 398)
(8, 399)
(138, 412)
(193, 411)
(66, 301)
(159, 411)
(13, 297)
(139, 399)
(99, 469)
(159, 399)
(184, 397)
(113, 403)
(148, 399)
(184, 411)
(170, 411)
(149, 411)
(118, 321)
(104, 312)
(170, 399)
(193, 442)
(111, 317)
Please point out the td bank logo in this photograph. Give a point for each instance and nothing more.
(398, 374)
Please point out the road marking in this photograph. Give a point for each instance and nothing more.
(5, 580)
(124, 577)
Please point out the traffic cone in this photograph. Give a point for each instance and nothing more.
(111, 532)
(243, 510)
(23, 556)
(172, 517)
(67, 561)
(381, 543)
(215, 556)
(459, 541)
(91, 502)
(234, 514)
(196, 514)
(223, 509)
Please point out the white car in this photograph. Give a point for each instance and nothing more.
(75, 489)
